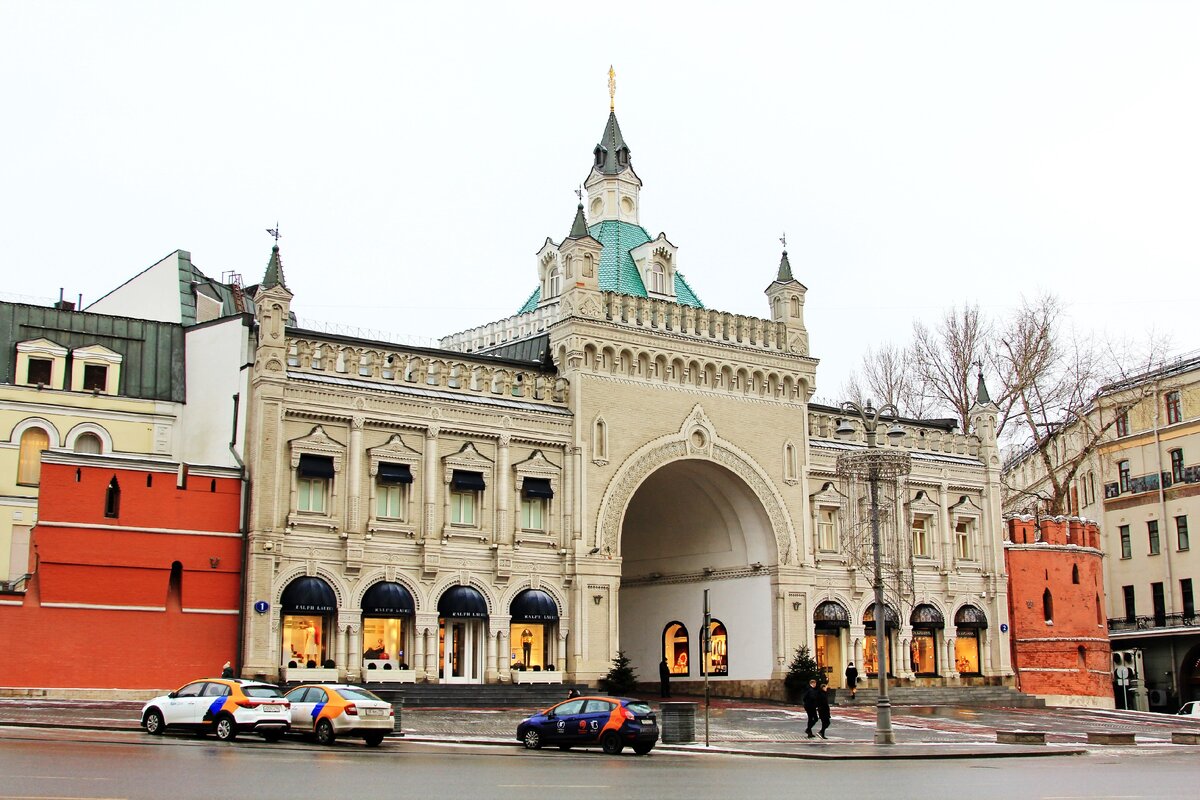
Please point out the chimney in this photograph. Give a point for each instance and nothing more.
(64, 305)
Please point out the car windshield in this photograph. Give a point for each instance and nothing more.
(638, 707)
(351, 693)
(262, 691)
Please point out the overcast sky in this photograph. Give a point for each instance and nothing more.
(918, 155)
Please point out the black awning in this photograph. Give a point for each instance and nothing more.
(891, 620)
(467, 481)
(533, 605)
(394, 473)
(462, 601)
(315, 466)
(387, 599)
(927, 616)
(831, 615)
(308, 595)
(537, 487)
(970, 617)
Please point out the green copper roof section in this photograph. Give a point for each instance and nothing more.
(274, 274)
(532, 302)
(611, 144)
(785, 270)
(579, 228)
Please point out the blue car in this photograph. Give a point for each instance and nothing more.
(611, 722)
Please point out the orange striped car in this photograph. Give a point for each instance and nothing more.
(329, 710)
(611, 722)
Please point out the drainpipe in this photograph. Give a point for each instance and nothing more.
(242, 526)
(1165, 536)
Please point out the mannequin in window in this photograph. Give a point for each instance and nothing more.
(526, 644)
(376, 651)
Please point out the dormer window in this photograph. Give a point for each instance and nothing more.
(41, 363)
(656, 279)
(38, 371)
(95, 369)
(95, 378)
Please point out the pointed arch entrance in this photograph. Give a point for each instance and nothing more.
(694, 524)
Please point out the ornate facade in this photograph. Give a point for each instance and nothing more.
(546, 489)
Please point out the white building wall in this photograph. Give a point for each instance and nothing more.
(216, 353)
(151, 294)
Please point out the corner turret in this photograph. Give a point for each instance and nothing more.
(786, 296)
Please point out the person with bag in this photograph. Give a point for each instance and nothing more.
(852, 679)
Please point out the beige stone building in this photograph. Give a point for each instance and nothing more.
(1141, 482)
(541, 491)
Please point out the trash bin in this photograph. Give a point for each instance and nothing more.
(678, 723)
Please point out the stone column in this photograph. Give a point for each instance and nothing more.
(504, 517)
(946, 537)
(491, 669)
(340, 647)
(354, 475)
(560, 656)
(432, 479)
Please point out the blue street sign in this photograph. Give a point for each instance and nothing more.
(1004, 627)
(261, 606)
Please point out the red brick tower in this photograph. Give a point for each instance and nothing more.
(1059, 636)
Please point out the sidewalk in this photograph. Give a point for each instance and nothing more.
(735, 727)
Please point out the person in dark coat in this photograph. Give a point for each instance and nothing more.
(822, 709)
(227, 670)
(811, 705)
(664, 678)
(852, 678)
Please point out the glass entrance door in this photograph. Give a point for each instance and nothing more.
(461, 652)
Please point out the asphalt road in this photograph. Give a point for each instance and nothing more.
(95, 765)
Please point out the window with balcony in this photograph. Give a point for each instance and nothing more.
(1181, 533)
(1177, 466)
(1126, 544)
(1174, 409)
(1152, 534)
(1123, 424)
(1123, 475)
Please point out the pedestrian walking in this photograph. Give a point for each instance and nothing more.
(823, 708)
(227, 670)
(664, 678)
(852, 679)
(811, 704)
(571, 695)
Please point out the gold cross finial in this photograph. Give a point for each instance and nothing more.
(612, 89)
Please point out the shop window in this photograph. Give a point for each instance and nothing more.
(465, 491)
(675, 648)
(534, 615)
(1126, 542)
(313, 477)
(1048, 607)
(962, 541)
(1152, 536)
(716, 660)
(827, 530)
(29, 466)
(88, 443)
(870, 647)
(304, 640)
(392, 487)
(966, 651)
(39, 371)
(920, 537)
(384, 643)
(926, 621)
(112, 499)
(1174, 409)
(1181, 533)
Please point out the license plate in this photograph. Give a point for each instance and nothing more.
(646, 721)
(274, 709)
(375, 712)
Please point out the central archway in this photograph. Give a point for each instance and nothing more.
(692, 525)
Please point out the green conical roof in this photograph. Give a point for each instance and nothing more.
(785, 270)
(612, 154)
(274, 276)
(579, 228)
(981, 393)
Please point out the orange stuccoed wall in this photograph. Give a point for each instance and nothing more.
(104, 607)
(1060, 645)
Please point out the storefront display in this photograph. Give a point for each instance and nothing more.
(718, 645)
(927, 623)
(304, 640)
(968, 622)
(675, 648)
(387, 610)
(307, 608)
(830, 621)
(534, 616)
(870, 650)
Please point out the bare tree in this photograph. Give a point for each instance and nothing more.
(886, 376)
(943, 359)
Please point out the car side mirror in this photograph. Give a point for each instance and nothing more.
(550, 714)
(173, 695)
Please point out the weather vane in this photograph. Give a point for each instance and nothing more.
(275, 232)
(579, 193)
(783, 239)
(612, 89)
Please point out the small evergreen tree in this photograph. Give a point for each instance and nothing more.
(620, 679)
(802, 669)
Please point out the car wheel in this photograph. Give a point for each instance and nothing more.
(154, 723)
(225, 728)
(532, 740)
(272, 736)
(325, 734)
(374, 739)
(642, 749)
(612, 744)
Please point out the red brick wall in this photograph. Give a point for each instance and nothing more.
(95, 565)
(1047, 656)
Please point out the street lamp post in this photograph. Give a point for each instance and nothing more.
(875, 464)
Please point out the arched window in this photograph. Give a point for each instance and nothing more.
(656, 278)
(112, 499)
(791, 464)
(1074, 573)
(795, 306)
(600, 439)
(175, 587)
(927, 623)
(554, 283)
(29, 468)
(716, 660)
(968, 622)
(89, 443)
(1048, 607)
(675, 648)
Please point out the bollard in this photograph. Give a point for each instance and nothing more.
(678, 723)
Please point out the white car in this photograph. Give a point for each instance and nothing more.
(329, 710)
(224, 706)
(1191, 709)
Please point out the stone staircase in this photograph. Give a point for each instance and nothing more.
(1000, 696)
(499, 695)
